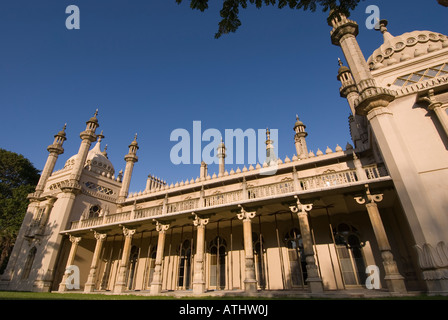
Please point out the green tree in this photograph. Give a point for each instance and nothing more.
(230, 9)
(18, 178)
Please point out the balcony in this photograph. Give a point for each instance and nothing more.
(279, 190)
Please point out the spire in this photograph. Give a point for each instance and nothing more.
(299, 139)
(100, 136)
(270, 155)
(105, 151)
(382, 27)
(221, 157)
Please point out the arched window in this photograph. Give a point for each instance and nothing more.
(350, 254)
(29, 263)
(184, 279)
(297, 263)
(133, 258)
(218, 251)
(94, 211)
(258, 245)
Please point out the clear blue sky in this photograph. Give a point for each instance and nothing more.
(154, 66)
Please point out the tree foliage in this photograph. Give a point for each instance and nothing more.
(18, 178)
(230, 9)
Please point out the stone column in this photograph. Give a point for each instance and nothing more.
(156, 284)
(313, 280)
(394, 280)
(120, 286)
(71, 258)
(90, 284)
(198, 278)
(250, 282)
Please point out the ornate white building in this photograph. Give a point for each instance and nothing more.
(315, 225)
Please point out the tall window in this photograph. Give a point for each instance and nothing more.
(258, 245)
(297, 263)
(350, 254)
(29, 263)
(152, 265)
(133, 258)
(217, 249)
(185, 265)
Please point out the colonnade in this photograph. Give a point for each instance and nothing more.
(394, 280)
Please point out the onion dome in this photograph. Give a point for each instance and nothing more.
(405, 47)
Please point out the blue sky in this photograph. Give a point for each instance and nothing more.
(151, 67)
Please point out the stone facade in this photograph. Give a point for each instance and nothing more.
(315, 225)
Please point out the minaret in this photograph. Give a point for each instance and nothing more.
(131, 158)
(349, 91)
(55, 150)
(88, 136)
(299, 139)
(221, 157)
(270, 153)
(344, 35)
(348, 88)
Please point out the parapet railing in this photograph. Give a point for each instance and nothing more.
(322, 181)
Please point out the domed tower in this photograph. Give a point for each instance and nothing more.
(299, 139)
(403, 93)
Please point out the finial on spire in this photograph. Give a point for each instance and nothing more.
(382, 27)
(340, 62)
(297, 117)
(96, 113)
(65, 126)
(100, 136)
(135, 137)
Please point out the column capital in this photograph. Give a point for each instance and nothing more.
(200, 221)
(301, 208)
(430, 99)
(73, 239)
(370, 198)
(161, 226)
(99, 236)
(245, 215)
(128, 232)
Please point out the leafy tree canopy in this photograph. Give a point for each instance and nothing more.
(18, 178)
(230, 9)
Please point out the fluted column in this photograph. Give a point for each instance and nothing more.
(90, 284)
(156, 284)
(198, 278)
(250, 282)
(313, 280)
(71, 258)
(120, 286)
(394, 280)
